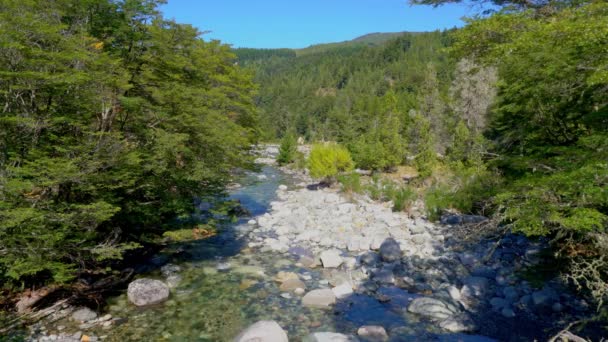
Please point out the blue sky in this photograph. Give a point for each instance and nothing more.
(297, 24)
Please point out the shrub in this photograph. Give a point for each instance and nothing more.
(402, 198)
(328, 160)
(351, 182)
(288, 150)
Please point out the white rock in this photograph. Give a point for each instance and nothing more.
(263, 331)
(331, 258)
(282, 187)
(321, 298)
(373, 333)
(343, 290)
(145, 291)
(329, 337)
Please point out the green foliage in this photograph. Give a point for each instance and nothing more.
(426, 159)
(461, 188)
(351, 182)
(403, 198)
(328, 160)
(113, 120)
(287, 150)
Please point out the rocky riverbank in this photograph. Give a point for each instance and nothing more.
(312, 264)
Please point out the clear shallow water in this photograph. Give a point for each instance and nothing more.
(212, 305)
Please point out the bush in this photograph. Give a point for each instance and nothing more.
(462, 190)
(402, 198)
(328, 160)
(351, 182)
(288, 150)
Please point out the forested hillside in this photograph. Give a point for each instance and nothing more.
(507, 117)
(113, 119)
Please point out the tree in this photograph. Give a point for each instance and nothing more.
(287, 150)
(113, 120)
(328, 160)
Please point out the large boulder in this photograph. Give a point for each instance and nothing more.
(142, 292)
(431, 307)
(390, 250)
(321, 298)
(263, 331)
(331, 259)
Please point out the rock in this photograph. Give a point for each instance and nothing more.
(498, 303)
(321, 298)
(301, 251)
(507, 312)
(292, 284)
(145, 291)
(474, 287)
(373, 333)
(570, 337)
(223, 266)
(457, 325)
(169, 270)
(390, 250)
(543, 297)
(283, 276)
(251, 222)
(83, 315)
(299, 291)
(307, 261)
(343, 290)
(329, 337)
(557, 307)
(462, 219)
(431, 307)
(384, 276)
(282, 187)
(331, 258)
(369, 259)
(263, 331)
(510, 293)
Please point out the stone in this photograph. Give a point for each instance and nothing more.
(252, 222)
(507, 312)
(292, 284)
(83, 315)
(283, 276)
(390, 250)
(369, 259)
(282, 187)
(321, 298)
(331, 258)
(223, 266)
(417, 229)
(299, 291)
(542, 297)
(169, 270)
(307, 261)
(144, 291)
(474, 287)
(510, 293)
(384, 276)
(263, 331)
(557, 307)
(373, 333)
(342, 291)
(329, 337)
(419, 239)
(431, 307)
(498, 303)
(457, 325)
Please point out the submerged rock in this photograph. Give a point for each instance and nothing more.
(83, 315)
(431, 307)
(373, 333)
(329, 337)
(321, 298)
(263, 331)
(142, 292)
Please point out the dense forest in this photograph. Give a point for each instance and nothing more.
(113, 119)
(507, 117)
